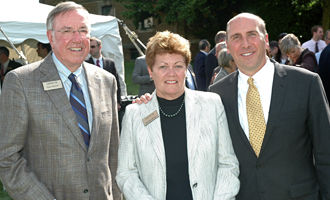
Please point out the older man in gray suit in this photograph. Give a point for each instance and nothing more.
(58, 119)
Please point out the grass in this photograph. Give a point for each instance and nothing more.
(131, 90)
(4, 194)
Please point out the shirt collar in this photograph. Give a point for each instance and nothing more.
(262, 79)
(95, 59)
(65, 72)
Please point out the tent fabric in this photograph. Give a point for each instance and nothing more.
(24, 22)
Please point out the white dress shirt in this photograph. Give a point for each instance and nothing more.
(100, 59)
(310, 44)
(263, 80)
(82, 80)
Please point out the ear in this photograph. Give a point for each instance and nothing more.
(266, 40)
(150, 71)
(100, 47)
(50, 37)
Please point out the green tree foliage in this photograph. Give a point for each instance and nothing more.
(204, 18)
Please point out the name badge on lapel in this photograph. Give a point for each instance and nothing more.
(148, 119)
(52, 85)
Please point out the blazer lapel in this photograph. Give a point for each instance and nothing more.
(232, 92)
(278, 93)
(193, 125)
(93, 82)
(59, 98)
(155, 131)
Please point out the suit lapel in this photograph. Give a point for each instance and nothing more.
(59, 98)
(155, 131)
(93, 84)
(278, 93)
(193, 125)
(232, 92)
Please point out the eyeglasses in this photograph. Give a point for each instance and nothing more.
(93, 46)
(83, 32)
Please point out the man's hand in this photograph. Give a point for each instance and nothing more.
(143, 99)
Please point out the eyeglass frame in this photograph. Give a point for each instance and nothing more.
(72, 31)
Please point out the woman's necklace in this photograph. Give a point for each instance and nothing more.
(175, 114)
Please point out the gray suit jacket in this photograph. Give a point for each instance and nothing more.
(141, 76)
(297, 132)
(213, 167)
(42, 152)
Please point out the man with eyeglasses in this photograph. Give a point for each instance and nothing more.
(58, 119)
(105, 63)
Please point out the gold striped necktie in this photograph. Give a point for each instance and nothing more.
(256, 120)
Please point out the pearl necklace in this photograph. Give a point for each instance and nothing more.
(175, 114)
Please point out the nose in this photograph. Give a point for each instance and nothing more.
(245, 42)
(76, 36)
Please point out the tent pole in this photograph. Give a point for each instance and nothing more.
(20, 54)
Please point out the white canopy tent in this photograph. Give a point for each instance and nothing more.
(24, 22)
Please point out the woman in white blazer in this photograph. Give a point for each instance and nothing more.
(178, 145)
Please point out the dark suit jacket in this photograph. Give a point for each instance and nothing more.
(43, 154)
(211, 62)
(191, 72)
(298, 130)
(109, 65)
(199, 69)
(11, 65)
(324, 65)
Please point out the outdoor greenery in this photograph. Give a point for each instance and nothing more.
(4, 194)
(204, 18)
(131, 88)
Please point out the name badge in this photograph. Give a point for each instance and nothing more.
(52, 85)
(147, 120)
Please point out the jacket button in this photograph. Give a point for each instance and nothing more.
(259, 166)
(88, 159)
(85, 191)
(195, 185)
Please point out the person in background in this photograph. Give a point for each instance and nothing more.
(105, 63)
(178, 145)
(315, 44)
(327, 41)
(141, 76)
(284, 58)
(324, 66)
(43, 49)
(211, 59)
(59, 119)
(226, 63)
(199, 64)
(300, 57)
(6, 65)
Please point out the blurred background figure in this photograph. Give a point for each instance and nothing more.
(199, 64)
(227, 65)
(284, 57)
(6, 65)
(141, 76)
(315, 44)
(105, 63)
(43, 49)
(300, 57)
(327, 41)
(211, 60)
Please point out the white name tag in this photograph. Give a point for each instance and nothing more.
(52, 85)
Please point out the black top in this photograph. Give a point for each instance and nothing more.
(175, 145)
